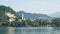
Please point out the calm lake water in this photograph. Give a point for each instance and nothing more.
(29, 30)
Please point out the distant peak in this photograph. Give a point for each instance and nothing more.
(56, 14)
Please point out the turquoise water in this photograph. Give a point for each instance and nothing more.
(29, 30)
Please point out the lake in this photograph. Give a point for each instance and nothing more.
(29, 30)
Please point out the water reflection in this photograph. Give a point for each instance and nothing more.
(56, 30)
(3, 30)
(30, 30)
(11, 30)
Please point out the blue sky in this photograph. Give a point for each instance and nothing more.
(33, 6)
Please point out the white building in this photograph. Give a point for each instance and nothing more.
(11, 16)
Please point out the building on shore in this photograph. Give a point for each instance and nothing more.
(12, 17)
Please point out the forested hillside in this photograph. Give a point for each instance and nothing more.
(4, 18)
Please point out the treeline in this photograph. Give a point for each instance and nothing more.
(55, 22)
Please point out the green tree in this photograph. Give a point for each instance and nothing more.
(56, 22)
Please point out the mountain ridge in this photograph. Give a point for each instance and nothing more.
(56, 14)
(32, 15)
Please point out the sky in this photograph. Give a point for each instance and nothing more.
(33, 6)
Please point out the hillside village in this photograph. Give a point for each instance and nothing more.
(11, 16)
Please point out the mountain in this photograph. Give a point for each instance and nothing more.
(33, 16)
(56, 14)
(3, 10)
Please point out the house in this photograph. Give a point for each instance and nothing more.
(11, 16)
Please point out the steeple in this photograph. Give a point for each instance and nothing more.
(22, 16)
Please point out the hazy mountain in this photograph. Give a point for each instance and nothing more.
(56, 14)
(34, 16)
